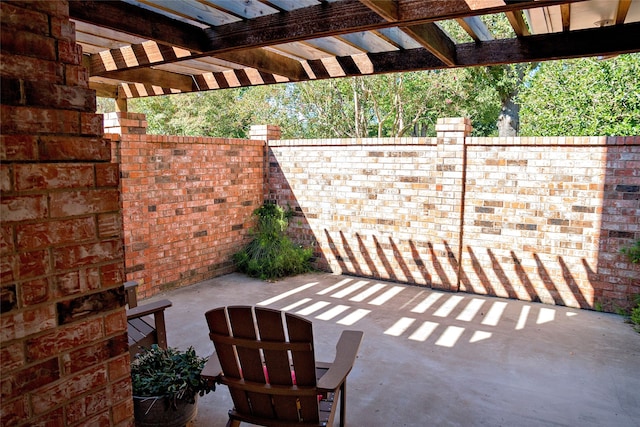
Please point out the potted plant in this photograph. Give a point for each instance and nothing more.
(166, 385)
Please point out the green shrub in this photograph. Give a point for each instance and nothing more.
(271, 254)
(635, 313)
(632, 252)
(169, 372)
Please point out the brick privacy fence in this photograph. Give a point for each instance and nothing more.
(538, 219)
(186, 202)
(63, 341)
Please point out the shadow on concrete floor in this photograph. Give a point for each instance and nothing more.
(432, 358)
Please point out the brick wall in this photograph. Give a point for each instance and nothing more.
(538, 219)
(63, 342)
(186, 202)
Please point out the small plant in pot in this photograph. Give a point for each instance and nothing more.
(166, 385)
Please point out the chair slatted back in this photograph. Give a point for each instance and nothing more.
(268, 362)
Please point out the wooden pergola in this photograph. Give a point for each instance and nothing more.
(136, 48)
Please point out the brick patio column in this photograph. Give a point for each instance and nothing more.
(450, 173)
(266, 133)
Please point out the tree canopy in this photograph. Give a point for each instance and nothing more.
(590, 96)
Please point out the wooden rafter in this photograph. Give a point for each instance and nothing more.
(623, 9)
(475, 28)
(591, 42)
(518, 24)
(565, 11)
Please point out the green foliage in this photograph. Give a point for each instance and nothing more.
(632, 252)
(271, 254)
(582, 97)
(635, 314)
(169, 372)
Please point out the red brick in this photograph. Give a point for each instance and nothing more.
(76, 75)
(8, 267)
(96, 354)
(50, 95)
(18, 147)
(30, 378)
(101, 420)
(19, 18)
(50, 419)
(44, 234)
(74, 148)
(26, 322)
(112, 274)
(55, 8)
(107, 175)
(120, 368)
(5, 178)
(63, 29)
(29, 44)
(6, 240)
(122, 412)
(34, 68)
(91, 124)
(110, 225)
(23, 208)
(47, 398)
(85, 255)
(64, 339)
(69, 52)
(24, 120)
(39, 176)
(12, 356)
(76, 282)
(87, 406)
(35, 291)
(72, 203)
(32, 264)
(115, 322)
(13, 412)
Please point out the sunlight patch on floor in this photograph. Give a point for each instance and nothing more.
(354, 317)
(333, 312)
(287, 294)
(450, 336)
(313, 308)
(367, 292)
(349, 289)
(446, 308)
(387, 295)
(400, 326)
(334, 287)
(495, 313)
(522, 320)
(296, 304)
(427, 303)
(546, 315)
(470, 310)
(424, 331)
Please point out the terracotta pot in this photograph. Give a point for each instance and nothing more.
(161, 412)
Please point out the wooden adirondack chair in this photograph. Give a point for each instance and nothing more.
(145, 323)
(266, 358)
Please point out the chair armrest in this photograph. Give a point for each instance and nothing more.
(130, 292)
(146, 309)
(212, 369)
(346, 353)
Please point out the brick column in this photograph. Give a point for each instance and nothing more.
(449, 178)
(125, 123)
(63, 343)
(266, 133)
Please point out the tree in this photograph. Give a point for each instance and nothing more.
(581, 97)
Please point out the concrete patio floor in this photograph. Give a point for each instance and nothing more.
(432, 358)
